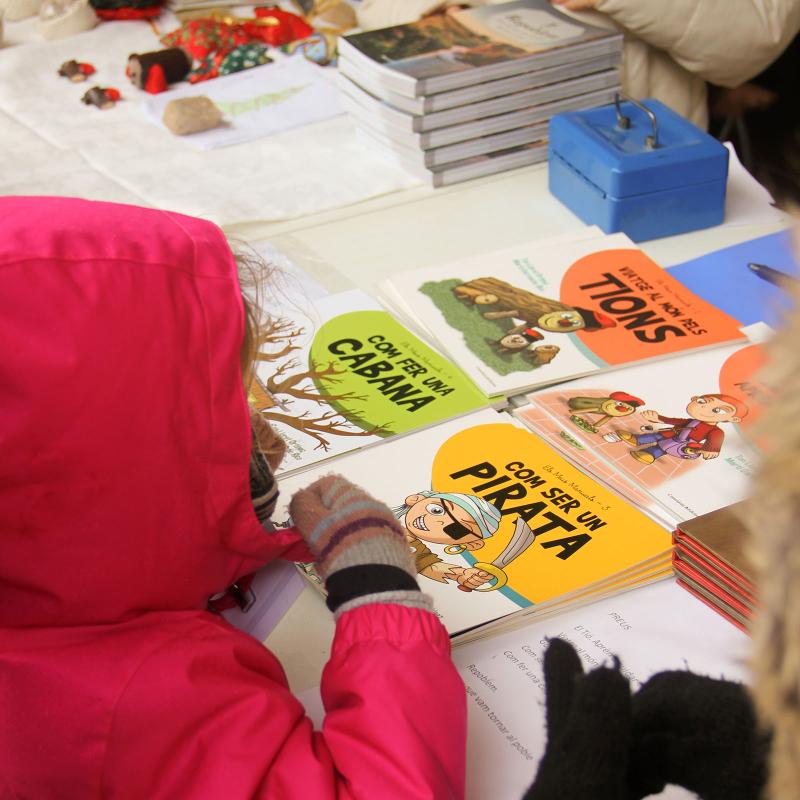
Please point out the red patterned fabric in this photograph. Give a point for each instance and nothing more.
(202, 37)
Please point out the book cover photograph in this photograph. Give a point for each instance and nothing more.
(341, 373)
(441, 44)
(676, 430)
(481, 497)
(534, 315)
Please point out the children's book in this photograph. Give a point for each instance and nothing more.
(481, 497)
(543, 312)
(339, 373)
(758, 293)
(417, 123)
(675, 431)
(443, 157)
(710, 560)
(366, 113)
(476, 166)
(589, 461)
(450, 51)
(479, 92)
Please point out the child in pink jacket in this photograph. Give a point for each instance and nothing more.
(125, 504)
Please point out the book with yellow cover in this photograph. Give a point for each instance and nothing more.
(482, 497)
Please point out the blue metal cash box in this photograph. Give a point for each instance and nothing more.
(638, 168)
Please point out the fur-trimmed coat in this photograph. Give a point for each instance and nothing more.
(775, 550)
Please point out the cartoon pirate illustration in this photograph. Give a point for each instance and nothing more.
(617, 404)
(695, 437)
(538, 312)
(459, 521)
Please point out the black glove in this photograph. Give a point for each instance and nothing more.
(588, 730)
(699, 733)
(679, 728)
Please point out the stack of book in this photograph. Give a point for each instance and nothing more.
(459, 95)
(709, 560)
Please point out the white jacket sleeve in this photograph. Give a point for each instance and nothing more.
(373, 14)
(725, 42)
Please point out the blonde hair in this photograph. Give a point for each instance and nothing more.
(772, 515)
(254, 277)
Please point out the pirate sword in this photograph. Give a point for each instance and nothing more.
(521, 540)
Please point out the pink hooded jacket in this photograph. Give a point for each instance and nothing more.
(124, 504)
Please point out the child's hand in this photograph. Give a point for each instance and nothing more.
(343, 524)
(361, 550)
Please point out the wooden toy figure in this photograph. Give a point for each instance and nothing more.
(154, 71)
(75, 71)
(102, 98)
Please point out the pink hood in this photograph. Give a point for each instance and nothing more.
(125, 438)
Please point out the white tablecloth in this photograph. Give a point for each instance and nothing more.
(54, 144)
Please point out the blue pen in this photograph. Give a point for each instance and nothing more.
(773, 276)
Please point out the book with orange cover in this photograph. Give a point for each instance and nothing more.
(543, 312)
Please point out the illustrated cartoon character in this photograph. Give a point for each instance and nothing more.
(523, 339)
(519, 338)
(543, 354)
(535, 310)
(697, 436)
(459, 521)
(617, 404)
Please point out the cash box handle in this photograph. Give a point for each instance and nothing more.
(651, 142)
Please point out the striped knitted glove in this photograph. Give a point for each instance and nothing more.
(361, 551)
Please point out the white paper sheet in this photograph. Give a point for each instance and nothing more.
(651, 629)
(302, 171)
(257, 102)
(746, 200)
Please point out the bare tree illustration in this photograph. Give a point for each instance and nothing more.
(288, 382)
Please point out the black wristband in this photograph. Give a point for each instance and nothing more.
(352, 582)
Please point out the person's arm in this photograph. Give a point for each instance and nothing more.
(208, 716)
(725, 44)
(373, 14)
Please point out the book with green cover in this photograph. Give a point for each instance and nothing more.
(339, 373)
